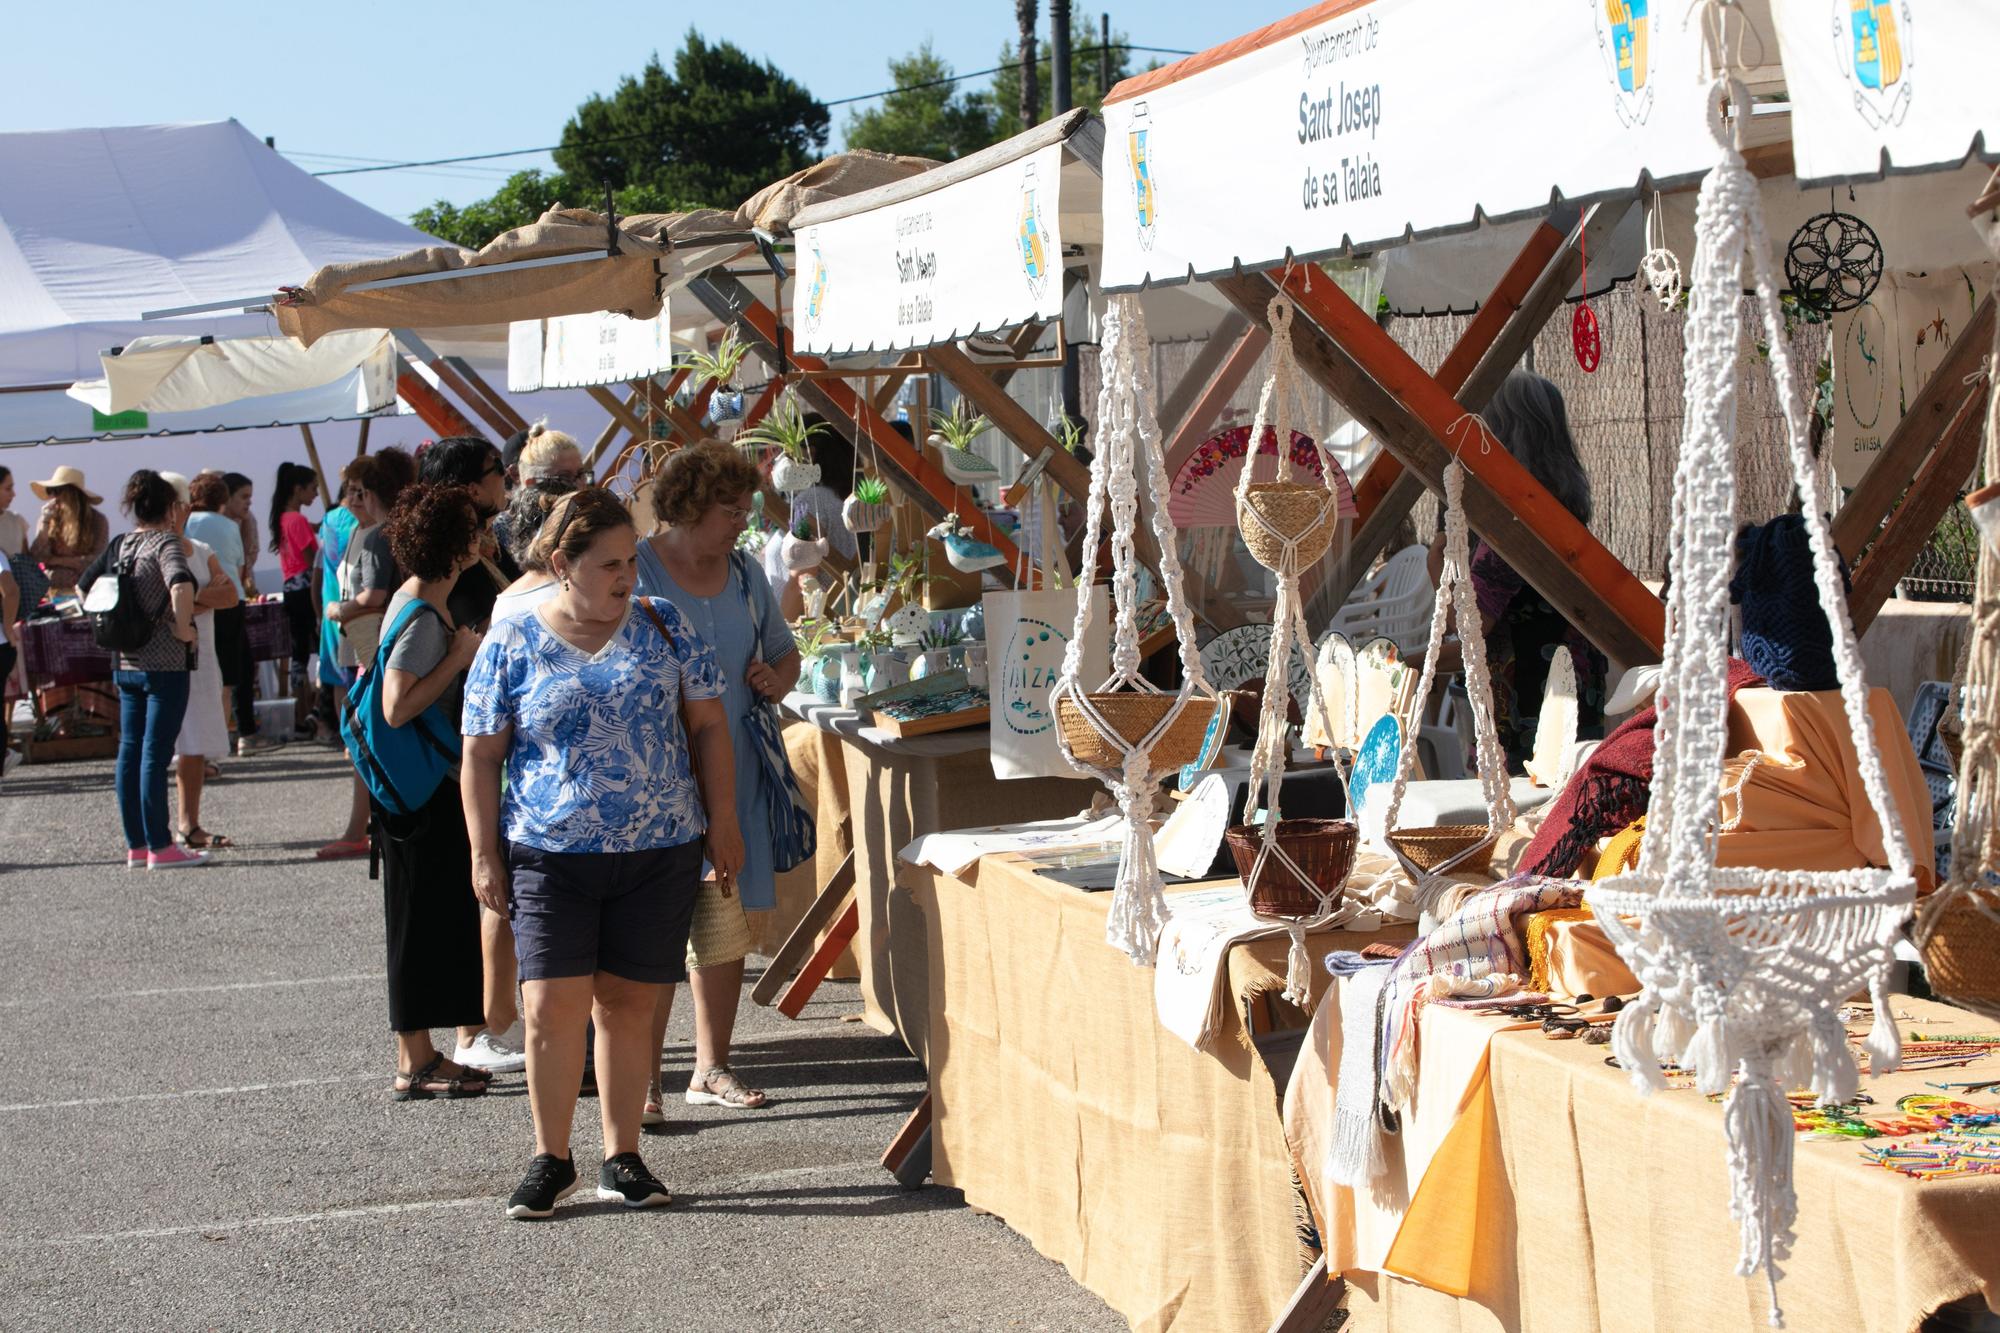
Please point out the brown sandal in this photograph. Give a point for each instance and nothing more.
(198, 839)
(719, 1086)
(427, 1083)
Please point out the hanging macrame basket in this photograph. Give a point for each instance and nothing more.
(1127, 731)
(1958, 930)
(1288, 525)
(1745, 969)
(1322, 850)
(1428, 851)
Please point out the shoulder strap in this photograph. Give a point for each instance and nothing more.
(646, 605)
(739, 564)
(411, 610)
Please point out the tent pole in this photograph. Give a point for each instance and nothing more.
(361, 445)
(327, 498)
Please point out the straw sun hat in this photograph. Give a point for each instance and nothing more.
(64, 476)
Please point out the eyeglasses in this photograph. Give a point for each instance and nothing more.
(738, 513)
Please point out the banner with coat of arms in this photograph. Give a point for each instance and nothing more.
(977, 255)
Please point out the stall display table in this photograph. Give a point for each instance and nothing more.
(897, 790)
(1558, 1201)
(1155, 1173)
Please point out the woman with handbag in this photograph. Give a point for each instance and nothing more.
(436, 975)
(703, 494)
(603, 710)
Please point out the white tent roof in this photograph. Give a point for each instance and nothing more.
(100, 225)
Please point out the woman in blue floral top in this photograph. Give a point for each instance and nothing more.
(602, 709)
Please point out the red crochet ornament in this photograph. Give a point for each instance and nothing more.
(1584, 337)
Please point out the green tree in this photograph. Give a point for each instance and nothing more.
(927, 116)
(716, 130)
(1085, 43)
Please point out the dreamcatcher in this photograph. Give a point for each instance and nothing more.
(1128, 732)
(1958, 929)
(1438, 849)
(1833, 262)
(1296, 868)
(1745, 969)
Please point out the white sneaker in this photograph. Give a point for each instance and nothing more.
(491, 1054)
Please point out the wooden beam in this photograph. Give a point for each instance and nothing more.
(438, 412)
(1224, 336)
(1342, 348)
(1193, 424)
(493, 396)
(622, 413)
(451, 379)
(1935, 489)
(361, 444)
(908, 1156)
(921, 480)
(799, 945)
(1922, 426)
(893, 385)
(610, 432)
(1315, 1300)
(327, 498)
(793, 1002)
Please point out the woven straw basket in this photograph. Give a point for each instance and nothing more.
(1962, 957)
(1288, 510)
(1430, 848)
(1132, 714)
(1322, 848)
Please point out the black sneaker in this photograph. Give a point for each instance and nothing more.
(549, 1178)
(626, 1178)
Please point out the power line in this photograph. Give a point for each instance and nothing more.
(627, 138)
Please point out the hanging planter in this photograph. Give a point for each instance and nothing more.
(801, 554)
(1288, 525)
(787, 430)
(952, 434)
(867, 510)
(1745, 969)
(966, 553)
(1127, 731)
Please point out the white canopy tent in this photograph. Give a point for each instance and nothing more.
(98, 226)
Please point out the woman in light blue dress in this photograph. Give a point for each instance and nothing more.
(704, 496)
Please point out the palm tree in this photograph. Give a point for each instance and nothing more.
(1025, 14)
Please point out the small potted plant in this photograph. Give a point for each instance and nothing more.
(819, 669)
(718, 367)
(868, 508)
(937, 649)
(952, 434)
(787, 430)
(800, 550)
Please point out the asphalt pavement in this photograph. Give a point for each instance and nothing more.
(197, 1130)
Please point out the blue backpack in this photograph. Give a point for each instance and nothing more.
(401, 766)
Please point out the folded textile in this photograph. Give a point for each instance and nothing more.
(1354, 1157)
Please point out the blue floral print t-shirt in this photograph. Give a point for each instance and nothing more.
(599, 760)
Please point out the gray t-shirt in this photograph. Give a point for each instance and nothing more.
(374, 567)
(420, 647)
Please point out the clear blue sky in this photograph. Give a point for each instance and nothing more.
(417, 80)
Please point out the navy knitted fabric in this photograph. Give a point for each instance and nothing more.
(1786, 637)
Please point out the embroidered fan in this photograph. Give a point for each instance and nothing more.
(1128, 732)
(1744, 969)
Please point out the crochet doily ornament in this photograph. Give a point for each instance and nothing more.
(1288, 527)
(1958, 929)
(1661, 269)
(1128, 732)
(1745, 969)
(1834, 262)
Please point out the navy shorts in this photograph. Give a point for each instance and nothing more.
(626, 913)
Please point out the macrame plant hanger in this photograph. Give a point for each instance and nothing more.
(1429, 852)
(1128, 732)
(1288, 527)
(1745, 969)
(1958, 928)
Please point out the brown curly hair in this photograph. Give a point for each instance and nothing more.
(699, 477)
(574, 522)
(431, 528)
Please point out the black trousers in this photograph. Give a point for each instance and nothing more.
(239, 672)
(436, 975)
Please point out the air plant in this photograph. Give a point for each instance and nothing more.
(718, 367)
(1070, 433)
(814, 637)
(872, 491)
(959, 427)
(907, 575)
(868, 507)
(873, 641)
(787, 429)
(941, 636)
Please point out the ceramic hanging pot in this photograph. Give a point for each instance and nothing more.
(907, 625)
(801, 554)
(860, 516)
(792, 476)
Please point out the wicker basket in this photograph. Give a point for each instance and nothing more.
(1322, 848)
(1288, 510)
(1429, 849)
(1962, 958)
(1133, 714)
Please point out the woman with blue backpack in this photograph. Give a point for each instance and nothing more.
(401, 729)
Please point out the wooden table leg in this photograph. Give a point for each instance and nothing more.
(1314, 1302)
(908, 1156)
(794, 1000)
(798, 945)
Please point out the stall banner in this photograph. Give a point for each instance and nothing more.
(1026, 636)
(1909, 79)
(980, 254)
(1394, 116)
(603, 348)
(1884, 352)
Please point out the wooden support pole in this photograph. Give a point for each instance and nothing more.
(1227, 332)
(1343, 348)
(684, 423)
(919, 479)
(1315, 1301)
(622, 413)
(610, 433)
(437, 411)
(327, 498)
(1934, 490)
(793, 1002)
(1922, 426)
(361, 445)
(1193, 427)
(494, 398)
(451, 379)
(908, 1155)
(799, 945)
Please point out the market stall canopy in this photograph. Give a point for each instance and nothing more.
(570, 261)
(185, 374)
(1359, 124)
(99, 225)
